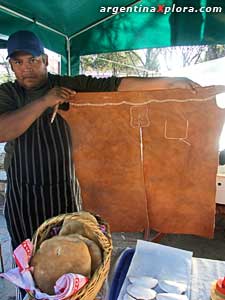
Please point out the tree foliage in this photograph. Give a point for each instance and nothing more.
(148, 62)
(6, 73)
(215, 51)
(113, 63)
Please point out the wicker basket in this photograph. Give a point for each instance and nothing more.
(91, 289)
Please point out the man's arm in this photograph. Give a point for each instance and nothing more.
(15, 123)
(155, 83)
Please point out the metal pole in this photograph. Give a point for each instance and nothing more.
(68, 56)
(14, 13)
(101, 21)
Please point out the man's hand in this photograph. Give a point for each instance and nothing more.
(183, 83)
(15, 123)
(58, 95)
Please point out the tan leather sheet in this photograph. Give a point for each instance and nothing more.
(106, 151)
(148, 159)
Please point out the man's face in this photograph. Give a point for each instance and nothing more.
(31, 72)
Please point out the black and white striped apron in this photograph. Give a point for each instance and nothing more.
(41, 178)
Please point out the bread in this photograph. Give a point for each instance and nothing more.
(84, 215)
(94, 250)
(58, 256)
(71, 226)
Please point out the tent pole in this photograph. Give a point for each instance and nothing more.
(14, 13)
(68, 55)
(100, 21)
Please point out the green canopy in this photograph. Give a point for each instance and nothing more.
(73, 28)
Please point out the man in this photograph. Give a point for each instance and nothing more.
(41, 179)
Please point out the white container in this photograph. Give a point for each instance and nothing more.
(220, 189)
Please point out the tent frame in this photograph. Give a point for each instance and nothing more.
(67, 38)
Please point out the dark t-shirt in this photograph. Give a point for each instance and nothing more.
(13, 96)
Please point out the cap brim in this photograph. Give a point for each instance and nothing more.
(29, 51)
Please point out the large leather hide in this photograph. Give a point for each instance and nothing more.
(148, 159)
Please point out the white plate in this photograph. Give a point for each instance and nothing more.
(146, 281)
(140, 292)
(170, 296)
(170, 286)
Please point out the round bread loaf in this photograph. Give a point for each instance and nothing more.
(94, 249)
(71, 226)
(87, 216)
(58, 256)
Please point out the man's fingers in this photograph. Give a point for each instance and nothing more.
(69, 91)
(185, 83)
(193, 86)
(64, 93)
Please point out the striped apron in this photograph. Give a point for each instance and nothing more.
(41, 178)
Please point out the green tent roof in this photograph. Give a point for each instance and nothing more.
(88, 27)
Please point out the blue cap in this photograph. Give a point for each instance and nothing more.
(24, 41)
